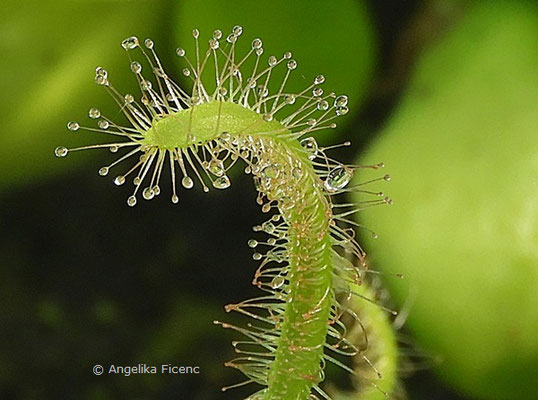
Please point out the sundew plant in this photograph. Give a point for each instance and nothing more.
(314, 305)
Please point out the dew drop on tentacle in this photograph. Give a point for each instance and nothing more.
(222, 182)
(216, 167)
(323, 105)
(103, 124)
(73, 126)
(187, 182)
(119, 180)
(310, 145)
(272, 61)
(290, 99)
(277, 282)
(252, 243)
(148, 193)
(136, 67)
(319, 80)
(130, 43)
(271, 171)
(342, 110)
(338, 178)
(94, 113)
(103, 171)
(61, 151)
(213, 44)
(131, 201)
(100, 71)
(257, 43)
(341, 101)
(268, 227)
(237, 30)
(148, 43)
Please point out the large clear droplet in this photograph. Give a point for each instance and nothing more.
(222, 183)
(130, 43)
(311, 146)
(216, 167)
(187, 182)
(277, 282)
(338, 178)
(148, 193)
(180, 52)
(271, 171)
(119, 180)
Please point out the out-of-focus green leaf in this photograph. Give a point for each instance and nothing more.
(462, 149)
(49, 52)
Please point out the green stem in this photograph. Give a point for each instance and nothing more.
(297, 364)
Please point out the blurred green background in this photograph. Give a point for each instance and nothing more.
(444, 92)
